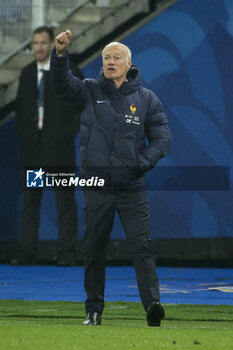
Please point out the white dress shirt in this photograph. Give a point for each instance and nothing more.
(41, 108)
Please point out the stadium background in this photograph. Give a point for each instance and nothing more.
(185, 55)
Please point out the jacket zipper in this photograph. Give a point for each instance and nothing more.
(112, 150)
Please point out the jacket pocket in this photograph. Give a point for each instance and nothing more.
(126, 150)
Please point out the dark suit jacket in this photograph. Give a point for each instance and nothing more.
(55, 144)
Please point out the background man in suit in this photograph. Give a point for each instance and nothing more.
(46, 126)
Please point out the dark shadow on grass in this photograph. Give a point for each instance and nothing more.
(113, 318)
(41, 316)
(69, 317)
(196, 319)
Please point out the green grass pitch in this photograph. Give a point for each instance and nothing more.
(40, 325)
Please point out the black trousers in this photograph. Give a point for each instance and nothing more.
(133, 210)
(67, 223)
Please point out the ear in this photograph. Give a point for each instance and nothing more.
(31, 44)
(129, 63)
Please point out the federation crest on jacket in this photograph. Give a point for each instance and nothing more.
(132, 118)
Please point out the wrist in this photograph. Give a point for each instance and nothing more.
(60, 52)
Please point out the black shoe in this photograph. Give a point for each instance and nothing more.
(92, 319)
(154, 314)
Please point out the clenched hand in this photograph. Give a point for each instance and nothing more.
(62, 41)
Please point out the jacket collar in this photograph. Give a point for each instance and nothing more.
(132, 84)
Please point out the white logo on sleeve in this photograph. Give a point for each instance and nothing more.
(100, 101)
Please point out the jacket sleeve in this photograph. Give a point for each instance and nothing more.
(65, 83)
(157, 133)
(72, 110)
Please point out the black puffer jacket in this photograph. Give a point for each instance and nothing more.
(124, 132)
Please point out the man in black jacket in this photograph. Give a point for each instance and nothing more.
(47, 127)
(124, 133)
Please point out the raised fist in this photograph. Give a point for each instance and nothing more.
(62, 41)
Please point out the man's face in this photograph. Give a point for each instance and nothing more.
(116, 64)
(42, 47)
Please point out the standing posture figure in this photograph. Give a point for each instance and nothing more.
(124, 133)
(47, 127)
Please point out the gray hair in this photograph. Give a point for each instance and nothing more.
(116, 43)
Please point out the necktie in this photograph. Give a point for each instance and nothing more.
(41, 89)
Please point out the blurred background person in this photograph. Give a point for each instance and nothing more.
(47, 126)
